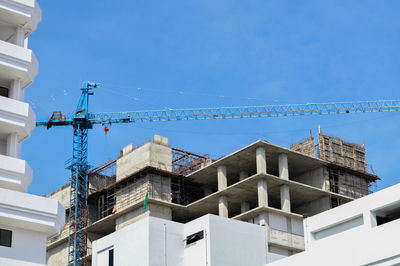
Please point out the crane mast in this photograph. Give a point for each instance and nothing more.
(82, 120)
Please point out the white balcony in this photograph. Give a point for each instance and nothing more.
(16, 117)
(31, 212)
(17, 62)
(25, 13)
(15, 173)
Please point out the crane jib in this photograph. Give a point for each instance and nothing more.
(82, 120)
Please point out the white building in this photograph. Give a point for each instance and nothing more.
(208, 240)
(25, 220)
(361, 232)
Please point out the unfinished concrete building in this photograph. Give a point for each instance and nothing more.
(170, 194)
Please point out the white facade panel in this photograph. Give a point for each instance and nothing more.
(26, 245)
(17, 63)
(15, 173)
(236, 243)
(131, 245)
(32, 218)
(154, 241)
(16, 117)
(361, 232)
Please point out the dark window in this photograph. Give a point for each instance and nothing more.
(111, 257)
(388, 216)
(194, 237)
(3, 92)
(5, 238)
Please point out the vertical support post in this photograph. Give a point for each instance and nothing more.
(20, 37)
(261, 162)
(222, 178)
(15, 91)
(223, 206)
(13, 145)
(285, 198)
(262, 190)
(283, 166)
(263, 219)
(284, 189)
(245, 205)
(222, 184)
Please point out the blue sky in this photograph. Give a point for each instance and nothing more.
(184, 54)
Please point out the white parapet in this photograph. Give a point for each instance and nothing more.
(17, 62)
(16, 117)
(31, 212)
(21, 12)
(15, 173)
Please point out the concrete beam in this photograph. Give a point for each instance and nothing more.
(262, 193)
(283, 166)
(222, 178)
(285, 198)
(261, 162)
(223, 206)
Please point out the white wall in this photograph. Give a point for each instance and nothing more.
(349, 234)
(155, 241)
(25, 245)
(165, 242)
(131, 245)
(236, 243)
(198, 253)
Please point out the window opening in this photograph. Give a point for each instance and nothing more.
(5, 238)
(194, 237)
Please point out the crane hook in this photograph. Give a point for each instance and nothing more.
(106, 129)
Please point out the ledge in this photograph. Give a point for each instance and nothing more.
(17, 63)
(15, 174)
(16, 116)
(31, 212)
(21, 12)
(254, 212)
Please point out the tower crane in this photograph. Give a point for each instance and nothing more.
(82, 120)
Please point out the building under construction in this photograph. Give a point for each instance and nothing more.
(155, 205)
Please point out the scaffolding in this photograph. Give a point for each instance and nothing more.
(184, 162)
(159, 184)
(305, 146)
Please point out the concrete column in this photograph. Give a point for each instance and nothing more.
(222, 178)
(283, 166)
(245, 206)
(20, 37)
(263, 219)
(262, 193)
(243, 175)
(223, 206)
(15, 92)
(261, 162)
(13, 145)
(285, 198)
